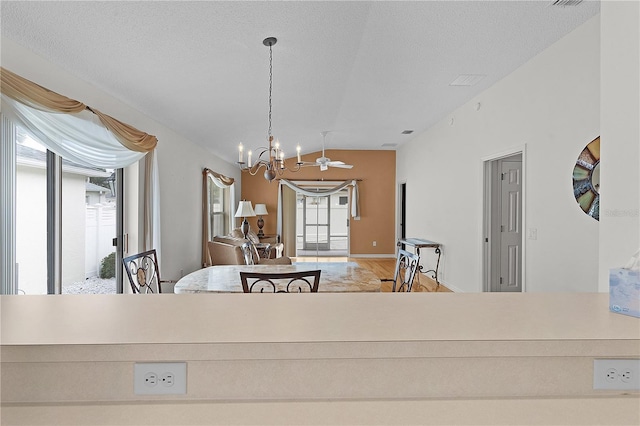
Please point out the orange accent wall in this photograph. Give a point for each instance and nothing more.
(377, 169)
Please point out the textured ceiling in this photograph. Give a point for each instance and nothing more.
(364, 70)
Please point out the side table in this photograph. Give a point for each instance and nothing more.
(272, 238)
(419, 243)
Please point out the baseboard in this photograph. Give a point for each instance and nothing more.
(453, 288)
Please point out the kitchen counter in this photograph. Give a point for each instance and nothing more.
(285, 351)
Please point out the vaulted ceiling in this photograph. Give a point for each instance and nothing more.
(365, 70)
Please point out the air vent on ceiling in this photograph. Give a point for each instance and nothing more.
(389, 145)
(467, 80)
(563, 3)
(407, 132)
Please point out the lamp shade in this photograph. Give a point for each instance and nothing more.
(245, 209)
(261, 210)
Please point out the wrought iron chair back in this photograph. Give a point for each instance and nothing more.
(280, 282)
(407, 264)
(142, 270)
(250, 253)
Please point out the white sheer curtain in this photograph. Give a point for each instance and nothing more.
(152, 204)
(78, 137)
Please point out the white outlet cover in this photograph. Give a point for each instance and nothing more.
(616, 374)
(178, 370)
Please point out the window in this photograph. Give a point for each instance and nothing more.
(217, 202)
(220, 210)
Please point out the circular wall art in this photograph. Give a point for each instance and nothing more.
(586, 179)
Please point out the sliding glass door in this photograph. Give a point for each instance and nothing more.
(323, 224)
(64, 217)
(316, 226)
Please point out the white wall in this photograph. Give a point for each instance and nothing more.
(180, 160)
(620, 141)
(551, 104)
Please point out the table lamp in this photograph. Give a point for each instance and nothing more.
(245, 210)
(260, 210)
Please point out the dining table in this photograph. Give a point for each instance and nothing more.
(335, 277)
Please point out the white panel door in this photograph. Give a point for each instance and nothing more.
(511, 226)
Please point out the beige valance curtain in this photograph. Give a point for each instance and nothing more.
(221, 181)
(43, 99)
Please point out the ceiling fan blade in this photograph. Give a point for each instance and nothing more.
(308, 164)
(341, 166)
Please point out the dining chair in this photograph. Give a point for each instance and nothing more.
(280, 282)
(143, 272)
(251, 256)
(407, 264)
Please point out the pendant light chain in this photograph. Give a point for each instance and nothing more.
(270, 85)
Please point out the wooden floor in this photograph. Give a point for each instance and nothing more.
(383, 268)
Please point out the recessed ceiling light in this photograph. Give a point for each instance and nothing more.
(467, 79)
(407, 132)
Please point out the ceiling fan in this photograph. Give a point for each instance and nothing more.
(325, 162)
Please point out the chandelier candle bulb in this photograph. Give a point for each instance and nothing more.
(298, 151)
(240, 153)
(249, 159)
(282, 160)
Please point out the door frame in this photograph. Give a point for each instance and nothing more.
(487, 193)
(401, 214)
(319, 184)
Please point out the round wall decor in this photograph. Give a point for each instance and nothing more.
(586, 179)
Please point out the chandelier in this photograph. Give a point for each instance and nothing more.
(271, 157)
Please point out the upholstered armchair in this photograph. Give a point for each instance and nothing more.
(227, 250)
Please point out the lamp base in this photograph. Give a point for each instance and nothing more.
(244, 228)
(260, 226)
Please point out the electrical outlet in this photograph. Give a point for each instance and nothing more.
(617, 374)
(374, 243)
(150, 379)
(167, 379)
(160, 378)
